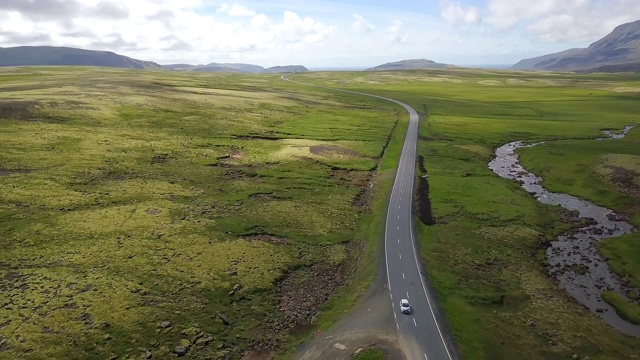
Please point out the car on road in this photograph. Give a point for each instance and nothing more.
(405, 308)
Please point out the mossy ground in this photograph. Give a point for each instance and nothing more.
(129, 198)
(485, 253)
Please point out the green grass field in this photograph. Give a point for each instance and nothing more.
(485, 253)
(131, 198)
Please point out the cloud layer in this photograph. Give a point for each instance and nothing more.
(319, 33)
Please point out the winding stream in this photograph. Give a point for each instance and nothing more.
(574, 259)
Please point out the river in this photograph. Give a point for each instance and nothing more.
(574, 259)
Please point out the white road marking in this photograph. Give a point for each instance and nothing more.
(398, 227)
(398, 326)
(398, 216)
(407, 294)
(414, 322)
(391, 296)
(395, 316)
(400, 255)
(403, 275)
(425, 357)
(398, 241)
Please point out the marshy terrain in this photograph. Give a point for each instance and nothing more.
(158, 214)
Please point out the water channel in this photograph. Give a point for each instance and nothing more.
(574, 259)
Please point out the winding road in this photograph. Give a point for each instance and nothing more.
(420, 334)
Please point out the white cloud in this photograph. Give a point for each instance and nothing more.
(296, 29)
(361, 25)
(563, 20)
(235, 10)
(395, 32)
(455, 13)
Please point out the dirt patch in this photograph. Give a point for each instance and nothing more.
(267, 238)
(3, 344)
(7, 172)
(356, 179)
(626, 180)
(259, 354)
(300, 294)
(332, 151)
(17, 109)
(421, 164)
(422, 196)
(262, 196)
(160, 158)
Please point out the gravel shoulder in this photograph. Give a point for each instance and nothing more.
(369, 323)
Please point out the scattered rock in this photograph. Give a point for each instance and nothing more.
(232, 273)
(165, 324)
(105, 325)
(224, 318)
(205, 340)
(180, 351)
(616, 217)
(575, 357)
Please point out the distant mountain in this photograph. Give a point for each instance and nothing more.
(286, 69)
(236, 67)
(618, 51)
(49, 55)
(410, 65)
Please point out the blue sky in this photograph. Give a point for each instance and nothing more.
(317, 34)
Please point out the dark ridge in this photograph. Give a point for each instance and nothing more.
(422, 196)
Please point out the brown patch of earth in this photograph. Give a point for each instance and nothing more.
(332, 150)
(422, 197)
(358, 179)
(16, 109)
(3, 344)
(7, 172)
(300, 295)
(262, 354)
(625, 180)
(267, 238)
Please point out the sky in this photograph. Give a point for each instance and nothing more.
(316, 34)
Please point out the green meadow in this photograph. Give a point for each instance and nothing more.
(147, 213)
(485, 252)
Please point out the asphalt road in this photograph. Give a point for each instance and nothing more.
(420, 334)
(421, 337)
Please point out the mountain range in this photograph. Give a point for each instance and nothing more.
(618, 51)
(50, 55)
(236, 67)
(412, 64)
(63, 56)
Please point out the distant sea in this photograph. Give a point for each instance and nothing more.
(488, 66)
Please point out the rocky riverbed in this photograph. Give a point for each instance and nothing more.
(574, 259)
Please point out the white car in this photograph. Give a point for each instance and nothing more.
(405, 308)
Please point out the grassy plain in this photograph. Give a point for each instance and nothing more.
(135, 207)
(485, 253)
